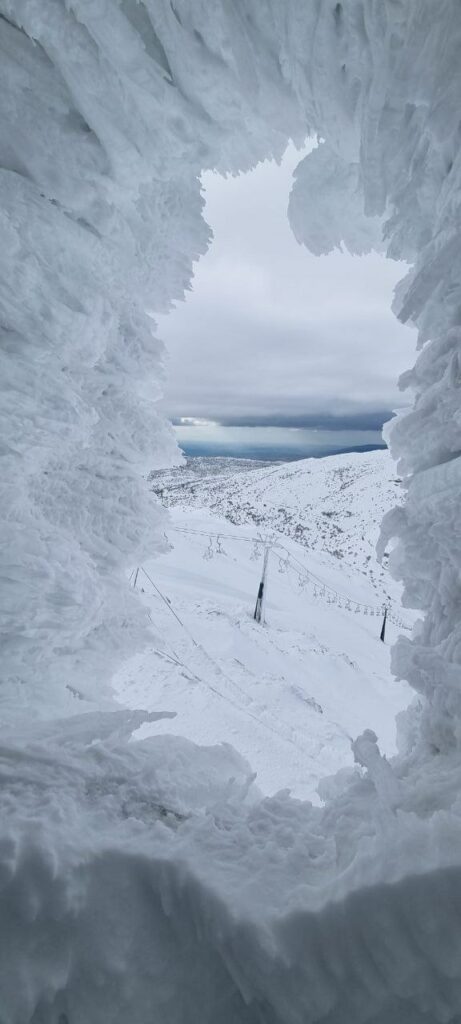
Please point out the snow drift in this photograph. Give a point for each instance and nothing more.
(111, 109)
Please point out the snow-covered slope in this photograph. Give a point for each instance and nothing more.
(335, 504)
(291, 695)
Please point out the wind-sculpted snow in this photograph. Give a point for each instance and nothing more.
(150, 882)
(110, 112)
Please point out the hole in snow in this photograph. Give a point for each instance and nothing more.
(277, 355)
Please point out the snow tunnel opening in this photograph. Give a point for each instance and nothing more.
(278, 355)
(326, 915)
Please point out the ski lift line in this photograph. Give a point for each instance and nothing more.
(222, 536)
(326, 586)
(219, 670)
(197, 678)
(194, 641)
(378, 609)
(175, 657)
(277, 544)
(318, 579)
(308, 574)
(169, 606)
(177, 661)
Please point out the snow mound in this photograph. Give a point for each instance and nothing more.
(148, 878)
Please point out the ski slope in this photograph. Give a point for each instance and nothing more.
(291, 695)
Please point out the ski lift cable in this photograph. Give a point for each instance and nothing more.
(308, 574)
(261, 722)
(169, 606)
(177, 661)
(377, 609)
(189, 634)
(274, 544)
(222, 536)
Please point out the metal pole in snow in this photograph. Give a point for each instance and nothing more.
(383, 627)
(135, 578)
(261, 598)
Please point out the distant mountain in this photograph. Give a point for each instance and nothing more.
(265, 452)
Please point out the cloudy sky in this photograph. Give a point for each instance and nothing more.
(272, 336)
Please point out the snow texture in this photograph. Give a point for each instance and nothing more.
(266, 911)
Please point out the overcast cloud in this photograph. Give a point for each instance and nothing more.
(273, 335)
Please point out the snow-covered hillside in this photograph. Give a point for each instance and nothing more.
(290, 695)
(335, 504)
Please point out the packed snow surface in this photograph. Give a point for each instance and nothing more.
(150, 880)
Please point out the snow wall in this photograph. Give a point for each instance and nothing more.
(137, 883)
